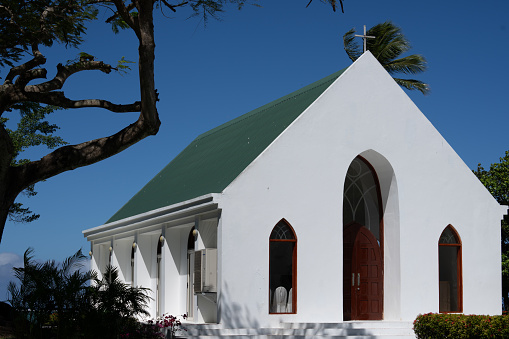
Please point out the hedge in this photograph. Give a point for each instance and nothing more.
(432, 325)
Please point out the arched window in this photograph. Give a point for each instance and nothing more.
(190, 240)
(110, 258)
(361, 197)
(190, 260)
(450, 276)
(158, 278)
(282, 269)
(133, 250)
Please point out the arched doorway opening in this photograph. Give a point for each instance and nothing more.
(363, 291)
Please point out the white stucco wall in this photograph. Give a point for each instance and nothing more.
(300, 177)
(146, 266)
(122, 258)
(174, 223)
(100, 257)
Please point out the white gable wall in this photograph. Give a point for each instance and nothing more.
(300, 177)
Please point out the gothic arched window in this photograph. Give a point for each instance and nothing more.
(158, 278)
(133, 250)
(282, 269)
(450, 276)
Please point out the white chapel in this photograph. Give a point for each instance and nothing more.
(339, 203)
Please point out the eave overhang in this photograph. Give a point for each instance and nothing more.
(177, 214)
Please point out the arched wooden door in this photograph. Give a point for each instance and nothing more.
(362, 275)
(362, 243)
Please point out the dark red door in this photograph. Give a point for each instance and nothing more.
(362, 275)
(367, 290)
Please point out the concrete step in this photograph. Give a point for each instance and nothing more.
(347, 330)
(276, 336)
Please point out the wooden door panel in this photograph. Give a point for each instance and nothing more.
(367, 297)
(349, 235)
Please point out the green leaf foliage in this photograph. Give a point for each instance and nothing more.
(115, 305)
(32, 130)
(453, 326)
(48, 294)
(23, 23)
(54, 300)
(387, 46)
(118, 23)
(123, 66)
(496, 180)
(204, 9)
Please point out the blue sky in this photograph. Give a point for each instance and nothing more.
(207, 76)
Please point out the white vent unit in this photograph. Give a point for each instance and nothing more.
(205, 270)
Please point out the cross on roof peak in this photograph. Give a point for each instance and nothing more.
(365, 38)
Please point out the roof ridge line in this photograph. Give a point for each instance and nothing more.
(272, 104)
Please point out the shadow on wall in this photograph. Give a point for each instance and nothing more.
(235, 316)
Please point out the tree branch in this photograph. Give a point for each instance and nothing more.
(6, 151)
(26, 77)
(173, 7)
(129, 8)
(332, 2)
(73, 156)
(12, 20)
(37, 60)
(146, 51)
(42, 19)
(59, 99)
(123, 12)
(64, 72)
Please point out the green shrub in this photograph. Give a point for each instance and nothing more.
(431, 326)
(53, 300)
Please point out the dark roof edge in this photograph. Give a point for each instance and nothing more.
(331, 78)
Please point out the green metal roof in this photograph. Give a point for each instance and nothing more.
(215, 158)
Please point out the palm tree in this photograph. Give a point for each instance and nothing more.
(389, 43)
(49, 293)
(116, 306)
(57, 298)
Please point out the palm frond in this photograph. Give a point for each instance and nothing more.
(411, 64)
(412, 84)
(389, 42)
(110, 294)
(352, 48)
(28, 256)
(72, 263)
(387, 46)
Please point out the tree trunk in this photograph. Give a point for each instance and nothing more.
(6, 197)
(6, 200)
(14, 180)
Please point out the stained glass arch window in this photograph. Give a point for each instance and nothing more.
(160, 242)
(282, 269)
(282, 231)
(450, 271)
(361, 197)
